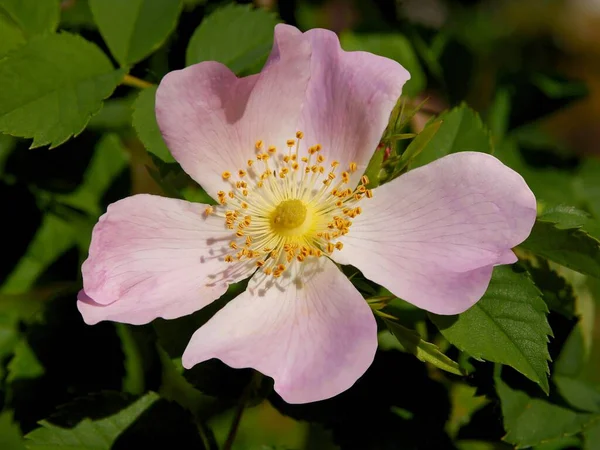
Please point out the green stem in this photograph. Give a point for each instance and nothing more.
(130, 80)
(239, 411)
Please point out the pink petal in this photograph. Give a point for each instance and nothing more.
(315, 339)
(349, 100)
(211, 120)
(433, 235)
(155, 257)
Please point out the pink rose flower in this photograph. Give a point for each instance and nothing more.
(292, 204)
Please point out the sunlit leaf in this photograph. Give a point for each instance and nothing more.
(32, 16)
(133, 29)
(51, 108)
(238, 36)
(461, 130)
(560, 235)
(508, 325)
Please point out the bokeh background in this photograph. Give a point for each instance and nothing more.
(530, 67)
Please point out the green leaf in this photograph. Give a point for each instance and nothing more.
(11, 36)
(88, 434)
(417, 145)
(508, 325)
(238, 36)
(589, 176)
(530, 421)
(24, 364)
(557, 292)
(578, 393)
(591, 437)
(461, 130)
(144, 122)
(133, 29)
(394, 46)
(411, 342)
(560, 235)
(33, 16)
(10, 433)
(77, 76)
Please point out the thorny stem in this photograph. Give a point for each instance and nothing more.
(239, 411)
(130, 80)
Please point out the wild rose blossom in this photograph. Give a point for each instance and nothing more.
(283, 153)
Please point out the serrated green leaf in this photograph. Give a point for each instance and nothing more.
(394, 46)
(530, 421)
(144, 122)
(24, 364)
(411, 342)
(238, 36)
(33, 16)
(560, 235)
(508, 325)
(77, 76)
(461, 130)
(88, 434)
(133, 29)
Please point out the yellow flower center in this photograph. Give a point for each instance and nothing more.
(288, 216)
(284, 207)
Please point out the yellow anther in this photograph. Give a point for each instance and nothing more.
(233, 245)
(239, 233)
(295, 166)
(334, 164)
(320, 158)
(220, 194)
(312, 150)
(268, 271)
(299, 134)
(339, 245)
(231, 194)
(209, 210)
(250, 162)
(248, 240)
(364, 179)
(260, 263)
(272, 149)
(345, 177)
(362, 189)
(244, 192)
(369, 193)
(318, 147)
(331, 175)
(291, 142)
(244, 205)
(241, 173)
(304, 159)
(226, 175)
(330, 247)
(228, 258)
(358, 210)
(259, 145)
(353, 166)
(286, 158)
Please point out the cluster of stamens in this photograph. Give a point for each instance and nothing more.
(283, 208)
